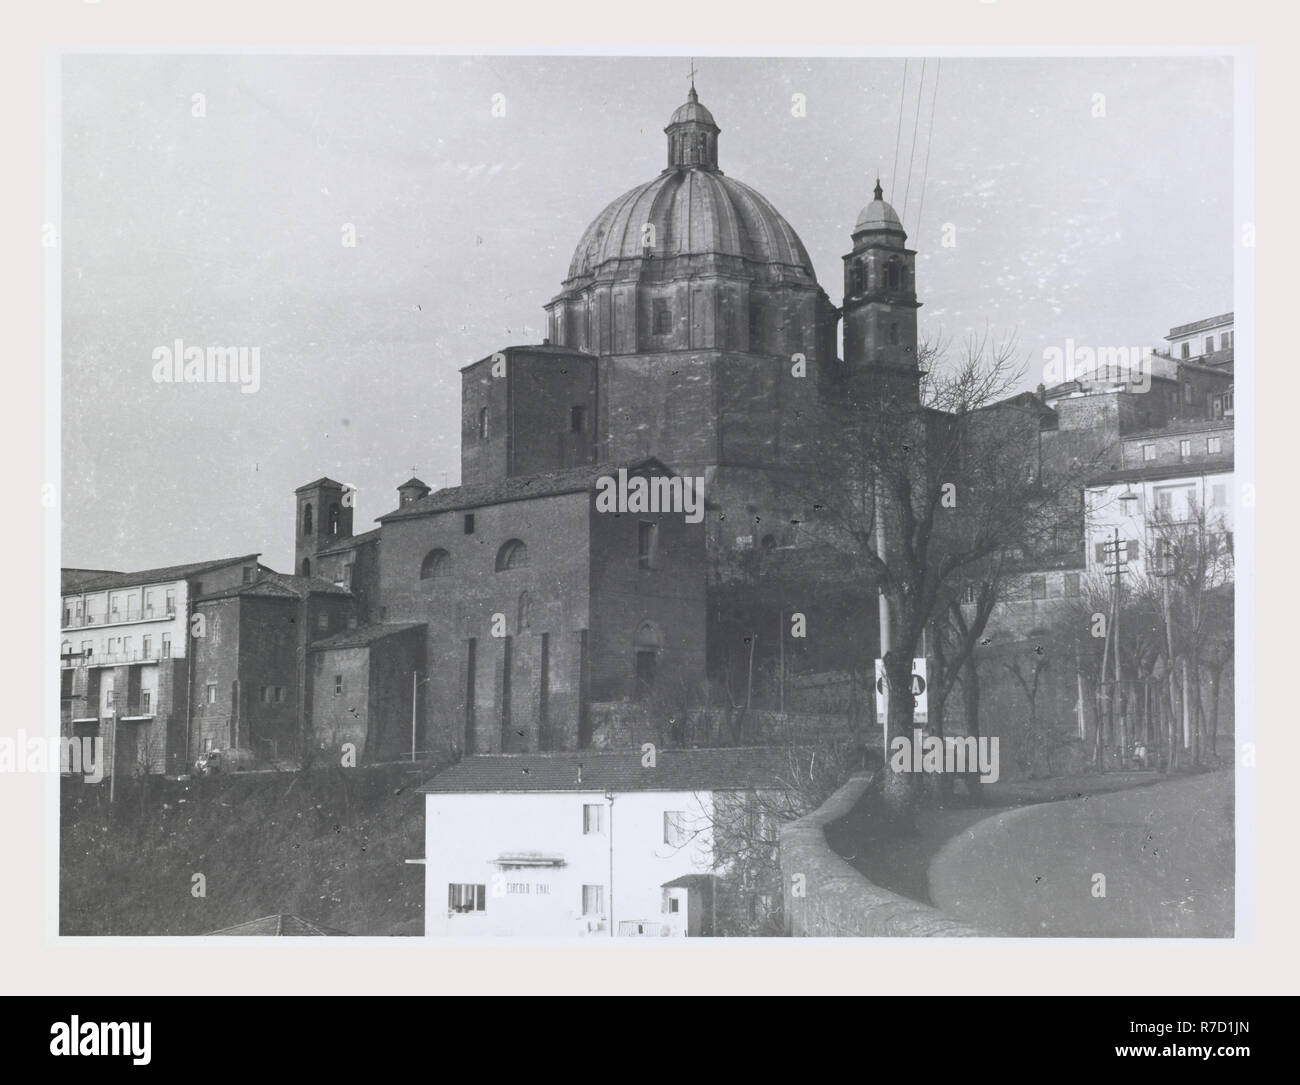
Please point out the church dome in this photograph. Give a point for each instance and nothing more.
(878, 215)
(694, 212)
(694, 209)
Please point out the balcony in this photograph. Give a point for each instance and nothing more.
(127, 617)
(112, 659)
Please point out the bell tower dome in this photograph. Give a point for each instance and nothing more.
(880, 295)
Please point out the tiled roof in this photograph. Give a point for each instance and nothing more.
(413, 481)
(1175, 427)
(517, 488)
(324, 480)
(1199, 325)
(1197, 469)
(532, 348)
(278, 585)
(365, 635)
(157, 576)
(350, 543)
(280, 925)
(732, 769)
(70, 580)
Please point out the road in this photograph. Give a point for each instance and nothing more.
(1166, 853)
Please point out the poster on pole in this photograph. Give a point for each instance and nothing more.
(919, 696)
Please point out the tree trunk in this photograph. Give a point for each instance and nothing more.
(970, 699)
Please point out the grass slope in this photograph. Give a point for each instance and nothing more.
(328, 845)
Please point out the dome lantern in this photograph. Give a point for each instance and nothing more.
(692, 136)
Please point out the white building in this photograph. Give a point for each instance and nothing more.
(1137, 502)
(587, 843)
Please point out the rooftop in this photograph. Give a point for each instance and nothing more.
(1176, 426)
(365, 635)
(1218, 466)
(158, 576)
(739, 768)
(532, 348)
(517, 488)
(1200, 325)
(272, 585)
(350, 543)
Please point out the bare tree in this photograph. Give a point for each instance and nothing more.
(924, 475)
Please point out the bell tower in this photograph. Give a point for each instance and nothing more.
(324, 517)
(880, 301)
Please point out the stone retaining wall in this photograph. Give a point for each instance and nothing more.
(825, 897)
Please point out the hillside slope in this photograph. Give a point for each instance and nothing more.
(328, 845)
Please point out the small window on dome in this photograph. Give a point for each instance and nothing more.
(663, 317)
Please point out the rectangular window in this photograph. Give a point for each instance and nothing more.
(1187, 350)
(577, 419)
(126, 647)
(1227, 341)
(322, 621)
(1209, 344)
(347, 574)
(279, 694)
(166, 646)
(469, 523)
(1038, 587)
(210, 696)
(338, 685)
(146, 647)
(248, 574)
(87, 649)
(467, 898)
(663, 317)
(647, 539)
(1148, 452)
(674, 905)
(1213, 445)
(675, 827)
(1072, 585)
(266, 694)
(482, 425)
(593, 819)
(593, 900)
(1184, 449)
(146, 702)
(1131, 549)
(171, 602)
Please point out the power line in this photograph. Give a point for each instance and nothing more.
(929, 140)
(893, 180)
(916, 123)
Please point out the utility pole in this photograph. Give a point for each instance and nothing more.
(1119, 674)
(749, 685)
(414, 689)
(780, 622)
(884, 619)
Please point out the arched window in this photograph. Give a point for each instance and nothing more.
(435, 563)
(306, 563)
(525, 612)
(334, 519)
(512, 555)
(895, 275)
(482, 423)
(857, 278)
(646, 646)
(306, 518)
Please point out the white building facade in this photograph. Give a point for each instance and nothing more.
(581, 844)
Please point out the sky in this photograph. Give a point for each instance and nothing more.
(207, 198)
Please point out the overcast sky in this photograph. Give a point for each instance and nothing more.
(227, 230)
